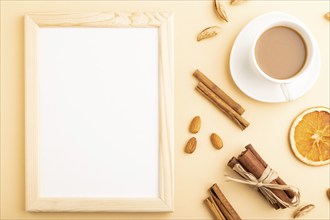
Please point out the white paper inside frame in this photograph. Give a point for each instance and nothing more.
(99, 116)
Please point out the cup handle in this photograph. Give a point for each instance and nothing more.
(286, 92)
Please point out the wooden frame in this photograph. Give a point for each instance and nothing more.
(164, 23)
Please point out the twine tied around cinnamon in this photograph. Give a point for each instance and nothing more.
(264, 185)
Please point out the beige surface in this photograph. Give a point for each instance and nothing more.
(194, 173)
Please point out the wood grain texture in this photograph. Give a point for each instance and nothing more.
(166, 86)
(31, 113)
(164, 23)
(101, 19)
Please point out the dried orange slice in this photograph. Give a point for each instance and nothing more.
(310, 136)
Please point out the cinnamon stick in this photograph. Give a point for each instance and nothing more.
(232, 162)
(219, 92)
(227, 210)
(278, 180)
(253, 163)
(214, 208)
(220, 104)
(211, 100)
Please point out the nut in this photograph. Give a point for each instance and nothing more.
(195, 125)
(216, 141)
(220, 10)
(303, 210)
(236, 2)
(327, 16)
(208, 33)
(191, 145)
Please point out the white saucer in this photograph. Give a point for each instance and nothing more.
(256, 86)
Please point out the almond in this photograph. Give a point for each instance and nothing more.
(328, 193)
(208, 33)
(191, 145)
(216, 141)
(236, 2)
(220, 10)
(195, 125)
(303, 210)
(327, 16)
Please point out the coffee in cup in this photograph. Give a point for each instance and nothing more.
(280, 52)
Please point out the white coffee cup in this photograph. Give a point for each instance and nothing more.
(310, 52)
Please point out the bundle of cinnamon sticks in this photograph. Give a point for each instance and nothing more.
(252, 162)
(220, 99)
(219, 205)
